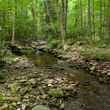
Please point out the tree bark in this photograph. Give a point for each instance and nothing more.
(13, 24)
(101, 17)
(33, 10)
(93, 19)
(63, 20)
(89, 17)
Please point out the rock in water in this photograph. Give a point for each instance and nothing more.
(15, 49)
(40, 107)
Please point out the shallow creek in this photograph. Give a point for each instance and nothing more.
(91, 95)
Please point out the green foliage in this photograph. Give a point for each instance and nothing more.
(54, 43)
(97, 53)
(40, 19)
(2, 97)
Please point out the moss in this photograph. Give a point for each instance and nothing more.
(56, 92)
(2, 97)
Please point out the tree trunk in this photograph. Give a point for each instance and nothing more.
(89, 17)
(101, 17)
(33, 10)
(81, 14)
(50, 15)
(13, 24)
(63, 20)
(93, 20)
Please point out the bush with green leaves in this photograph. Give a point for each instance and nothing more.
(96, 53)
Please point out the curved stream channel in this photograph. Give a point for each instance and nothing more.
(91, 95)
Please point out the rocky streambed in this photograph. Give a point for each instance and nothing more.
(27, 85)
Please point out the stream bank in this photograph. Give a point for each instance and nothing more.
(58, 86)
(42, 80)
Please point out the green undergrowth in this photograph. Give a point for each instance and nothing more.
(96, 53)
(2, 97)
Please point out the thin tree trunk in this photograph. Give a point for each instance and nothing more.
(89, 17)
(81, 14)
(63, 20)
(109, 19)
(33, 10)
(93, 19)
(105, 26)
(100, 34)
(13, 25)
(49, 15)
(65, 14)
(13, 30)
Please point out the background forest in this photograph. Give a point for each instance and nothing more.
(54, 55)
(56, 21)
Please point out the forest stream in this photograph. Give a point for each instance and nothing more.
(51, 83)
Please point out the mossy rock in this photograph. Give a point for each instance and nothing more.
(40, 107)
(2, 97)
(56, 92)
(13, 88)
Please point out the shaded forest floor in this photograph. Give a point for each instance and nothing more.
(28, 85)
(63, 85)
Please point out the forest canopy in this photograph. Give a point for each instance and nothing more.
(54, 54)
(74, 20)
